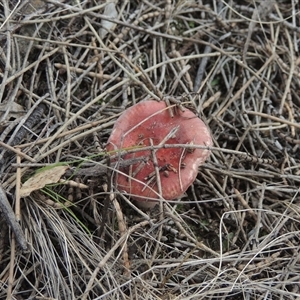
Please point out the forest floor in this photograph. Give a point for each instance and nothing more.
(69, 69)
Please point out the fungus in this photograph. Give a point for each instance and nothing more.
(149, 124)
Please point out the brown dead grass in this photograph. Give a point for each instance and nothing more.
(235, 233)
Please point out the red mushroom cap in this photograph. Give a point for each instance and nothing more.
(149, 123)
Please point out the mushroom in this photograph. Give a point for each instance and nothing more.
(149, 123)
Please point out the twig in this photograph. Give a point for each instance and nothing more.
(11, 220)
(16, 151)
(91, 74)
(279, 120)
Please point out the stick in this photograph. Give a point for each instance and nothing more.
(11, 220)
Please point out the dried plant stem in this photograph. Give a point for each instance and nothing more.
(11, 268)
(273, 118)
(80, 71)
(16, 151)
(69, 132)
(18, 186)
(122, 229)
